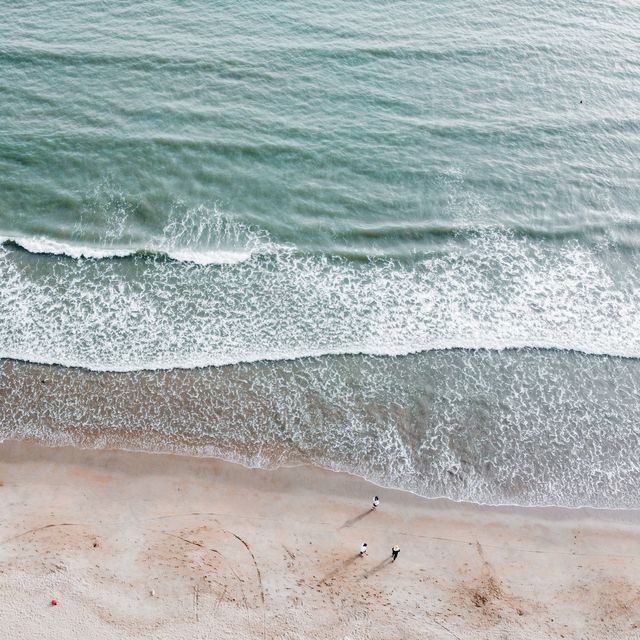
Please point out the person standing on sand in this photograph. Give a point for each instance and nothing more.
(394, 552)
(376, 502)
(363, 549)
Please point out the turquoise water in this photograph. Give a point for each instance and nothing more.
(397, 214)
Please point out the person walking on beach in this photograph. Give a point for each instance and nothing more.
(363, 549)
(394, 552)
(376, 502)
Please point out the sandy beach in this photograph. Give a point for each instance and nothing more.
(135, 545)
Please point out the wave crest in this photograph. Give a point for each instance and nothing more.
(45, 245)
(199, 236)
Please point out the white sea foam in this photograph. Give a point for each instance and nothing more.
(219, 256)
(495, 292)
(198, 235)
(44, 245)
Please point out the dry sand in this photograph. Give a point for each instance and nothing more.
(157, 546)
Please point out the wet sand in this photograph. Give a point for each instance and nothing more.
(138, 545)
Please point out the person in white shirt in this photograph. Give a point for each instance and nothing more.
(376, 502)
(363, 549)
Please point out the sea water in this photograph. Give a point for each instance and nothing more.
(396, 239)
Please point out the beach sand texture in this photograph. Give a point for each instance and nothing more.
(135, 545)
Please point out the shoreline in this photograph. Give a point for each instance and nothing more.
(193, 452)
(278, 415)
(136, 544)
(204, 452)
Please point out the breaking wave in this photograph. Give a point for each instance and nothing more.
(198, 235)
(492, 291)
(45, 245)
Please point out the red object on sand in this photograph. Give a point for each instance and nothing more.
(54, 602)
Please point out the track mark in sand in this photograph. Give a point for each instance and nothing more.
(167, 516)
(238, 578)
(220, 598)
(196, 544)
(255, 564)
(46, 526)
(446, 629)
(196, 602)
(193, 542)
(88, 524)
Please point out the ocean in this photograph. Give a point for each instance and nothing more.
(396, 239)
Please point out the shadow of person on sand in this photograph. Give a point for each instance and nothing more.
(350, 523)
(341, 567)
(378, 567)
